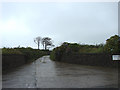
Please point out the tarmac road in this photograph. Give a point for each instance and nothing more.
(44, 73)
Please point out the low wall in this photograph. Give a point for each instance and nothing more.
(12, 61)
(90, 59)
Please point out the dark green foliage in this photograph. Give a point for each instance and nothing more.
(111, 46)
(91, 49)
(52, 54)
(29, 53)
(74, 48)
(10, 51)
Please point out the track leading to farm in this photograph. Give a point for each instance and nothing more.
(44, 73)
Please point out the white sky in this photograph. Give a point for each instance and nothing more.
(88, 22)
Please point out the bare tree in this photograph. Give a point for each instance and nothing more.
(46, 41)
(37, 41)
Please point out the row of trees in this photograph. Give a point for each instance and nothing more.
(111, 45)
(46, 42)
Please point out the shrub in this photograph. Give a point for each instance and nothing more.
(29, 53)
(73, 48)
(10, 51)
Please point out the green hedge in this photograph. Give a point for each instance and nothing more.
(29, 53)
(111, 47)
(10, 51)
(74, 48)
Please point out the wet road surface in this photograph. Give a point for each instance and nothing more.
(44, 73)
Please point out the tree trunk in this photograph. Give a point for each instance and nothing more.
(45, 47)
(38, 45)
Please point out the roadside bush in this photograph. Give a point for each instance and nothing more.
(10, 51)
(74, 48)
(111, 47)
(52, 54)
(29, 53)
(112, 44)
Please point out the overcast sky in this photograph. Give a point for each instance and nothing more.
(88, 22)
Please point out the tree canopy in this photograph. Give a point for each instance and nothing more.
(112, 44)
(37, 41)
(46, 41)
